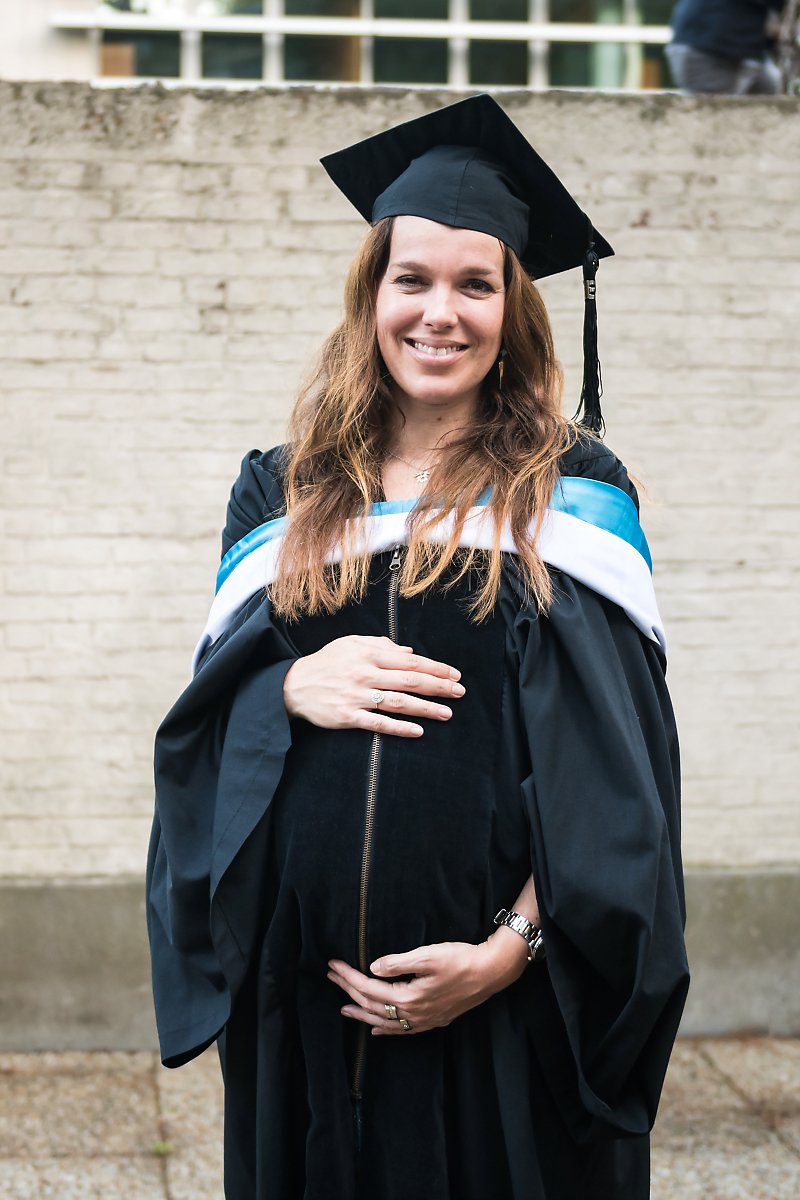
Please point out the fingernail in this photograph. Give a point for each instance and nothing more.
(344, 1012)
(454, 674)
(445, 713)
(457, 689)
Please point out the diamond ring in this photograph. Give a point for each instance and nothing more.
(377, 697)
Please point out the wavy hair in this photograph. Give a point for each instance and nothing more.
(339, 437)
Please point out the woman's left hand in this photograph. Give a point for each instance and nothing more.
(449, 978)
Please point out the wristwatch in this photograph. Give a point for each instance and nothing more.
(525, 928)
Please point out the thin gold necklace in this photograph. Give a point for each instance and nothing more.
(420, 476)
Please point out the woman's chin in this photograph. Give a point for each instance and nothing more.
(438, 392)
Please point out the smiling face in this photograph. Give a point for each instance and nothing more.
(439, 313)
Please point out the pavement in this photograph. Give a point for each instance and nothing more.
(119, 1127)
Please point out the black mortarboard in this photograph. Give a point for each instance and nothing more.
(469, 166)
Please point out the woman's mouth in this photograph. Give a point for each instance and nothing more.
(432, 350)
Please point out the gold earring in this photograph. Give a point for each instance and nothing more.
(501, 366)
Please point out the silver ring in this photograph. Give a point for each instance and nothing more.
(391, 1012)
(377, 697)
(405, 1024)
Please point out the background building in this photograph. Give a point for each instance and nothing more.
(170, 260)
(485, 43)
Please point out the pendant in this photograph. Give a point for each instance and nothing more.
(422, 476)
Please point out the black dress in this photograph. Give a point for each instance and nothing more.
(314, 844)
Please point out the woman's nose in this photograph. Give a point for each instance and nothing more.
(440, 308)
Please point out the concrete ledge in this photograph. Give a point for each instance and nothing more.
(75, 968)
(744, 951)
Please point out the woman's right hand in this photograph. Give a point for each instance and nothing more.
(333, 688)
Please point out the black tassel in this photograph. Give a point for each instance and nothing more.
(589, 413)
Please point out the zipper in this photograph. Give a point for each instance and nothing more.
(394, 585)
(372, 791)
(366, 857)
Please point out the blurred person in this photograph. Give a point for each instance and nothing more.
(724, 46)
(788, 47)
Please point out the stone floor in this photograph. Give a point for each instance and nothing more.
(119, 1127)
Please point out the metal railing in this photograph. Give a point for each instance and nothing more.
(457, 31)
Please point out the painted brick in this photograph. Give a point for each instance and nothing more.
(168, 268)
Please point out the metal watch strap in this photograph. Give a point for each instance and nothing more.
(526, 929)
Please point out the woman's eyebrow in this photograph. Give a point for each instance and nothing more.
(481, 271)
(412, 266)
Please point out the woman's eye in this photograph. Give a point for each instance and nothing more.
(469, 285)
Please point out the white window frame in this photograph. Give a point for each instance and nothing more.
(457, 30)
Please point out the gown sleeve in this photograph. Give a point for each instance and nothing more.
(219, 756)
(602, 800)
(592, 459)
(256, 496)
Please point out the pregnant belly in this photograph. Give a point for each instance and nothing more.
(379, 846)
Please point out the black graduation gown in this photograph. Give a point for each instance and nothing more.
(561, 759)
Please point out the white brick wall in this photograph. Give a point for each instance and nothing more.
(168, 262)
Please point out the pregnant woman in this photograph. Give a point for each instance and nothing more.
(415, 863)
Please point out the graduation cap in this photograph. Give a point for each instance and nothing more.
(469, 166)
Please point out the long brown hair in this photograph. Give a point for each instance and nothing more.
(339, 434)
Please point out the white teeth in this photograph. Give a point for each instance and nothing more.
(436, 351)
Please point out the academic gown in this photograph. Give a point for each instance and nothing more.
(278, 845)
